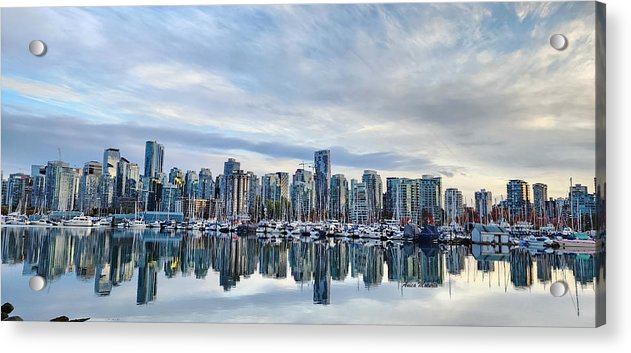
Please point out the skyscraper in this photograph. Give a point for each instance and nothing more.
(229, 166)
(483, 204)
(154, 157)
(237, 194)
(254, 193)
(206, 184)
(539, 196)
(20, 188)
(358, 202)
(581, 202)
(302, 194)
(38, 195)
(170, 196)
(430, 199)
(453, 204)
(176, 177)
(191, 182)
(402, 199)
(517, 199)
(339, 198)
(374, 194)
(269, 188)
(89, 186)
(283, 185)
(322, 166)
(120, 184)
(60, 186)
(111, 156)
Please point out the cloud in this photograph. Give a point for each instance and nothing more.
(458, 88)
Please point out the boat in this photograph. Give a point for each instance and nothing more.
(43, 222)
(105, 222)
(579, 241)
(539, 241)
(168, 225)
(137, 224)
(79, 221)
(17, 219)
(154, 224)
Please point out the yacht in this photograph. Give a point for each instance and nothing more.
(154, 224)
(105, 222)
(137, 224)
(540, 241)
(42, 222)
(79, 221)
(579, 240)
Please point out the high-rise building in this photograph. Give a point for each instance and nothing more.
(89, 186)
(120, 184)
(5, 187)
(106, 190)
(581, 202)
(111, 156)
(229, 167)
(322, 166)
(134, 180)
(176, 177)
(358, 202)
(302, 194)
(206, 184)
(154, 158)
(430, 199)
(270, 190)
(283, 185)
(170, 196)
(38, 195)
(237, 194)
(453, 205)
(338, 209)
(484, 204)
(19, 191)
(254, 193)
(401, 199)
(152, 192)
(60, 186)
(539, 197)
(191, 182)
(518, 199)
(374, 194)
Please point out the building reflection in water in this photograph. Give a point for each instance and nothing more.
(111, 257)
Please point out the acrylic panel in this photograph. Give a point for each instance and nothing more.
(383, 164)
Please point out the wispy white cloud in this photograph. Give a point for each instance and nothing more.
(453, 83)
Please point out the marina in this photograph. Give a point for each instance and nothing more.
(212, 276)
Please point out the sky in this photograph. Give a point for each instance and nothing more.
(471, 92)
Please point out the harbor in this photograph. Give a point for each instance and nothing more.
(518, 235)
(132, 274)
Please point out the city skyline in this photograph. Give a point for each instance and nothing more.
(455, 115)
(236, 165)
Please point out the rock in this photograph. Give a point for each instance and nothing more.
(7, 308)
(60, 319)
(14, 318)
(80, 320)
(4, 316)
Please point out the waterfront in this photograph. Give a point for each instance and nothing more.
(126, 275)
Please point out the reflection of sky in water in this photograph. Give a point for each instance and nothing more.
(129, 277)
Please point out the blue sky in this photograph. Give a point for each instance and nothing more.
(472, 92)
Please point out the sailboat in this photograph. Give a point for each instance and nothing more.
(137, 223)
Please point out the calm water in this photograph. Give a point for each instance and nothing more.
(121, 275)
